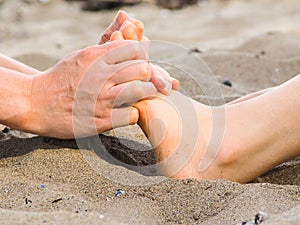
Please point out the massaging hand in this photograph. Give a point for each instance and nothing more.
(82, 94)
(127, 28)
(91, 90)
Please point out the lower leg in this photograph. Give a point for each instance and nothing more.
(250, 96)
(268, 129)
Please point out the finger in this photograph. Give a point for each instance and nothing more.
(165, 75)
(121, 51)
(175, 84)
(118, 117)
(129, 31)
(162, 80)
(139, 28)
(117, 35)
(131, 70)
(163, 85)
(119, 19)
(131, 92)
(124, 116)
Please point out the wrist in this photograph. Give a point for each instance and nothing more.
(45, 97)
(34, 119)
(15, 90)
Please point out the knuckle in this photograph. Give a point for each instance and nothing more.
(92, 52)
(106, 35)
(133, 116)
(85, 53)
(145, 70)
(103, 112)
(140, 25)
(113, 98)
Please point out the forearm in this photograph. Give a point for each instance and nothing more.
(15, 91)
(9, 63)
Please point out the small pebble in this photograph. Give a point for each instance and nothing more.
(43, 186)
(27, 201)
(5, 130)
(119, 193)
(196, 216)
(101, 216)
(227, 83)
(56, 200)
(195, 50)
(58, 45)
(259, 218)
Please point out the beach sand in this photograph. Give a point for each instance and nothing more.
(253, 44)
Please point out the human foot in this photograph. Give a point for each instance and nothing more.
(186, 135)
(181, 132)
(178, 129)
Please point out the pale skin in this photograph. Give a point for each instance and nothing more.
(87, 86)
(260, 131)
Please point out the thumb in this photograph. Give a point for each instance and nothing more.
(119, 19)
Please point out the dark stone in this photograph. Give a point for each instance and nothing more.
(5, 130)
(175, 4)
(227, 83)
(97, 5)
(262, 52)
(195, 50)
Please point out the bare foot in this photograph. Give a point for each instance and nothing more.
(239, 141)
(178, 129)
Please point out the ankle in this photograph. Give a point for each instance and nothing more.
(221, 153)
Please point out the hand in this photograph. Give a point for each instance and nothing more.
(91, 91)
(125, 28)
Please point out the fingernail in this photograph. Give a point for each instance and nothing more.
(167, 85)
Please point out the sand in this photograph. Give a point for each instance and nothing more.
(253, 44)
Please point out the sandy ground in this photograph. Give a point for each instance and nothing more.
(253, 44)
